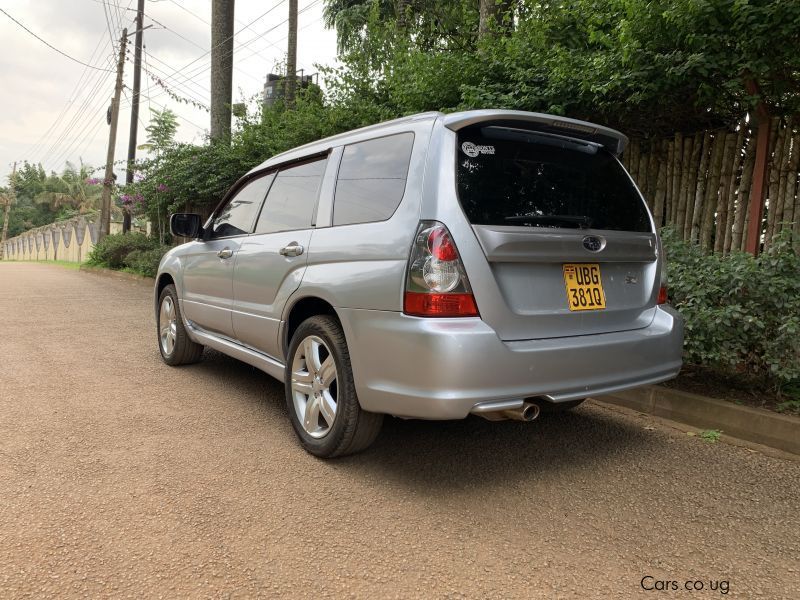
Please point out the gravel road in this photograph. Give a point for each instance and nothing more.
(122, 477)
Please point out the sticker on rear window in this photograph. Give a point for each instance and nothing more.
(474, 150)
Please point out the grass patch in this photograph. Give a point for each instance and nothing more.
(711, 435)
(61, 263)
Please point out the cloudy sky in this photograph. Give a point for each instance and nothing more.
(53, 109)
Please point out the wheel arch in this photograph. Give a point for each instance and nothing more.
(164, 279)
(300, 310)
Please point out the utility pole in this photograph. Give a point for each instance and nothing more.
(222, 12)
(291, 55)
(108, 181)
(7, 211)
(137, 82)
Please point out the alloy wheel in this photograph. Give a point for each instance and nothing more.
(168, 325)
(314, 387)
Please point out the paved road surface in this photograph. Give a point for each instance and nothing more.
(122, 477)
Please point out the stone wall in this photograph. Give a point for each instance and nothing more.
(69, 241)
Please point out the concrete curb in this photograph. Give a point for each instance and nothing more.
(118, 274)
(752, 424)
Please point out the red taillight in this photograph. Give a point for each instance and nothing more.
(439, 305)
(441, 245)
(662, 290)
(436, 283)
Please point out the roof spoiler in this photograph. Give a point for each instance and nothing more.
(612, 140)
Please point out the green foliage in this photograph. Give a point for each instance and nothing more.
(42, 199)
(73, 192)
(161, 130)
(113, 250)
(742, 313)
(429, 23)
(643, 66)
(792, 405)
(194, 178)
(145, 262)
(711, 435)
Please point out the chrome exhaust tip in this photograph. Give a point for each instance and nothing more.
(527, 412)
(517, 410)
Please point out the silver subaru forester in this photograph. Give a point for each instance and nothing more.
(487, 262)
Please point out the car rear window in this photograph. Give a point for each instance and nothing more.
(509, 176)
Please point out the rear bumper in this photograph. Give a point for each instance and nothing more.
(441, 368)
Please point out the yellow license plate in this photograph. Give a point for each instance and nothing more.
(584, 286)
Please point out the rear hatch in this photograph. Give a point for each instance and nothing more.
(567, 236)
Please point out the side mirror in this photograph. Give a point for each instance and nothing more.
(186, 225)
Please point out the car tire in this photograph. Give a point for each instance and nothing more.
(173, 340)
(320, 392)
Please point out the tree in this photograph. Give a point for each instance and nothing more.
(647, 67)
(494, 14)
(161, 130)
(74, 190)
(426, 24)
(350, 19)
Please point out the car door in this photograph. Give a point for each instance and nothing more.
(271, 262)
(208, 263)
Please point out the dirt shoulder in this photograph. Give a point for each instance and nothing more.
(122, 477)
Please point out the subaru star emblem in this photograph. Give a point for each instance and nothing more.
(594, 243)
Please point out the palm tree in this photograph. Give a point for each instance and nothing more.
(74, 188)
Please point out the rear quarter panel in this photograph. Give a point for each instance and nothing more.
(363, 265)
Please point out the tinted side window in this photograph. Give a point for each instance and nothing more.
(292, 197)
(372, 179)
(237, 216)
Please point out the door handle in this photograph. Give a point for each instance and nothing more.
(225, 253)
(293, 249)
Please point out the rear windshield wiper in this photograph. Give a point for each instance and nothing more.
(581, 221)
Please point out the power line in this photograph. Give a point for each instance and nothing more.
(146, 64)
(92, 102)
(185, 78)
(172, 94)
(203, 90)
(35, 147)
(85, 114)
(108, 22)
(200, 127)
(175, 78)
(201, 69)
(195, 15)
(91, 136)
(183, 37)
(128, 100)
(187, 65)
(49, 45)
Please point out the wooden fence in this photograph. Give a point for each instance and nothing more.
(700, 184)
